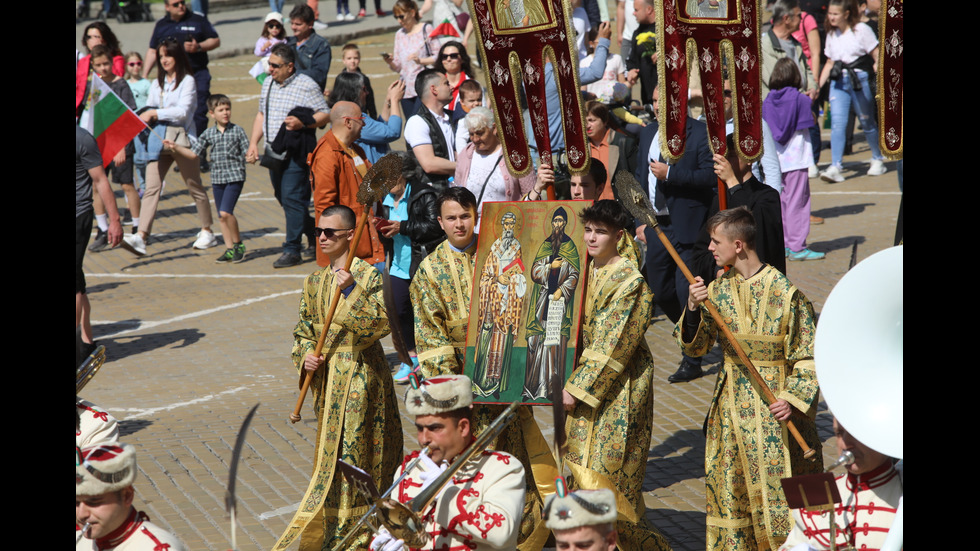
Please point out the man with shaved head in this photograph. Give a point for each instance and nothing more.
(337, 167)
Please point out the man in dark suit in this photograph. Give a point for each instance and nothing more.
(681, 194)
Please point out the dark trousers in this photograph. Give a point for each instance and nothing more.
(292, 189)
(202, 79)
(670, 287)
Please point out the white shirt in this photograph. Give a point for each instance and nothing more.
(417, 132)
(654, 155)
(480, 168)
(176, 102)
(848, 46)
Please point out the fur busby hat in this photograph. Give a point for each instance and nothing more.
(439, 394)
(565, 510)
(104, 468)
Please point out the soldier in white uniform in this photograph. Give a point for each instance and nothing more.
(869, 491)
(481, 507)
(104, 514)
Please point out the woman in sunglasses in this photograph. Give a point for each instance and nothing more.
(414, 50)
(455, 62)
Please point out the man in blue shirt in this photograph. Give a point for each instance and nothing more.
(312, 50)
(198, 38)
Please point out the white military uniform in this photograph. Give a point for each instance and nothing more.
(866, 512)
(480, 509)
(136, 534)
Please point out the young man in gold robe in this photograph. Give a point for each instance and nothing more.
(353, 393)
(441, 292)
(748, 448)
(609, 396)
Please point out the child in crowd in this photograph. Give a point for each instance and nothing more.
(228, 143)
(137, 84)
(272, 33)
(352, 64)
(787, 112)
(121, 166)
(470, 95)
(140, 87)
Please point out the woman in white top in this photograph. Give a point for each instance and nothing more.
(481, 168)
(173, 95)
(853, 47)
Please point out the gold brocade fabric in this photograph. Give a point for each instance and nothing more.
(440, 294)
(355, 404)
(747, 451)
(609, 429)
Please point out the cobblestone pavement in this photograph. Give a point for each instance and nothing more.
(192, 345)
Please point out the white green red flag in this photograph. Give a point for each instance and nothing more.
(109, 119)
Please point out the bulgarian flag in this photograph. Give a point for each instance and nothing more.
(109, 119)
(444, 29)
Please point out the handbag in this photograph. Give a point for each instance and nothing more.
(270, 158)
(178, 135)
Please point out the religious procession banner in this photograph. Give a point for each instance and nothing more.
(891, 78)
(526, 309)
(515, 37)
(706, 32)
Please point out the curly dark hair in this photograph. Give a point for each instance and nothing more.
(464, 58)
(108, 37)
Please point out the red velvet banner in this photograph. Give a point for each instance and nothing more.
(891, 77)
(708, 31)
(515, 37)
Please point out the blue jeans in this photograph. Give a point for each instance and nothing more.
(842, 96)
(276, 5)
(292, 189)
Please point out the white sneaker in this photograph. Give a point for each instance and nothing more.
(349, 17)
(205, 240)
(340, 17)
(319, 25)
(832, 175)
(877, 168)
(134, 244)
(812, 171)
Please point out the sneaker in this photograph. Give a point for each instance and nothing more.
(239, 253)
(100, 242)
(287, 260)
(877, 168)
(134, 244)
(812, 171)
(226, 256)
(349, 17)
(401, 376)
(340, 17)
(788, 252)
(815, 220)
(126, 216)
(205, 240)
(806, 254)
(319, 25)
(362, 13)
(381, 13)
(832, 175)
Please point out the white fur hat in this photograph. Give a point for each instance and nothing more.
(104, 468)
(439, 394)
(566, 510)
